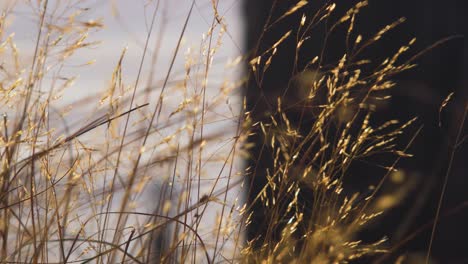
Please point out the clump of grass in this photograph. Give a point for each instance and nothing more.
(74, 191)
(79, 190)
(311, 217)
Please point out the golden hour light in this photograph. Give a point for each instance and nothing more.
(233, 131)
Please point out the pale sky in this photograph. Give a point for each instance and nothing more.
(128, 28)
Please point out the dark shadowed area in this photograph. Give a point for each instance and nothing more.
(438, 170)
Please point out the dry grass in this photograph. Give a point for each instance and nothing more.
(342, 99)
(76, 191)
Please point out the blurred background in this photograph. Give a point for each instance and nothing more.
(435, 177)
(438, 167)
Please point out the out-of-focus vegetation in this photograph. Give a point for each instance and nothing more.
(72, 186)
